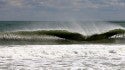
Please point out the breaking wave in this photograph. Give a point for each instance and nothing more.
(60, 35)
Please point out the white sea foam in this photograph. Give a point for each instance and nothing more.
(62, 57)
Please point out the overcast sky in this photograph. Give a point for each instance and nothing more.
(54, 10)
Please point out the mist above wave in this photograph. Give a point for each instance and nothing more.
(85, 28)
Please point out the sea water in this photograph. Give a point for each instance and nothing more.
(55, 55)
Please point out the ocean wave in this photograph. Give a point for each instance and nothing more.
(60, 34)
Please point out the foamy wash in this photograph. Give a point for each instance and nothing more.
(27, 32)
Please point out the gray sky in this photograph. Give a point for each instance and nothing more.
(52, 10)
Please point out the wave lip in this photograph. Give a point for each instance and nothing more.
(60, 34)
(107, 35)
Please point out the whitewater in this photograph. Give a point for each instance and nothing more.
(62, 57)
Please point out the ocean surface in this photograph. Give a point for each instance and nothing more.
(69, 45)
(52, 32)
